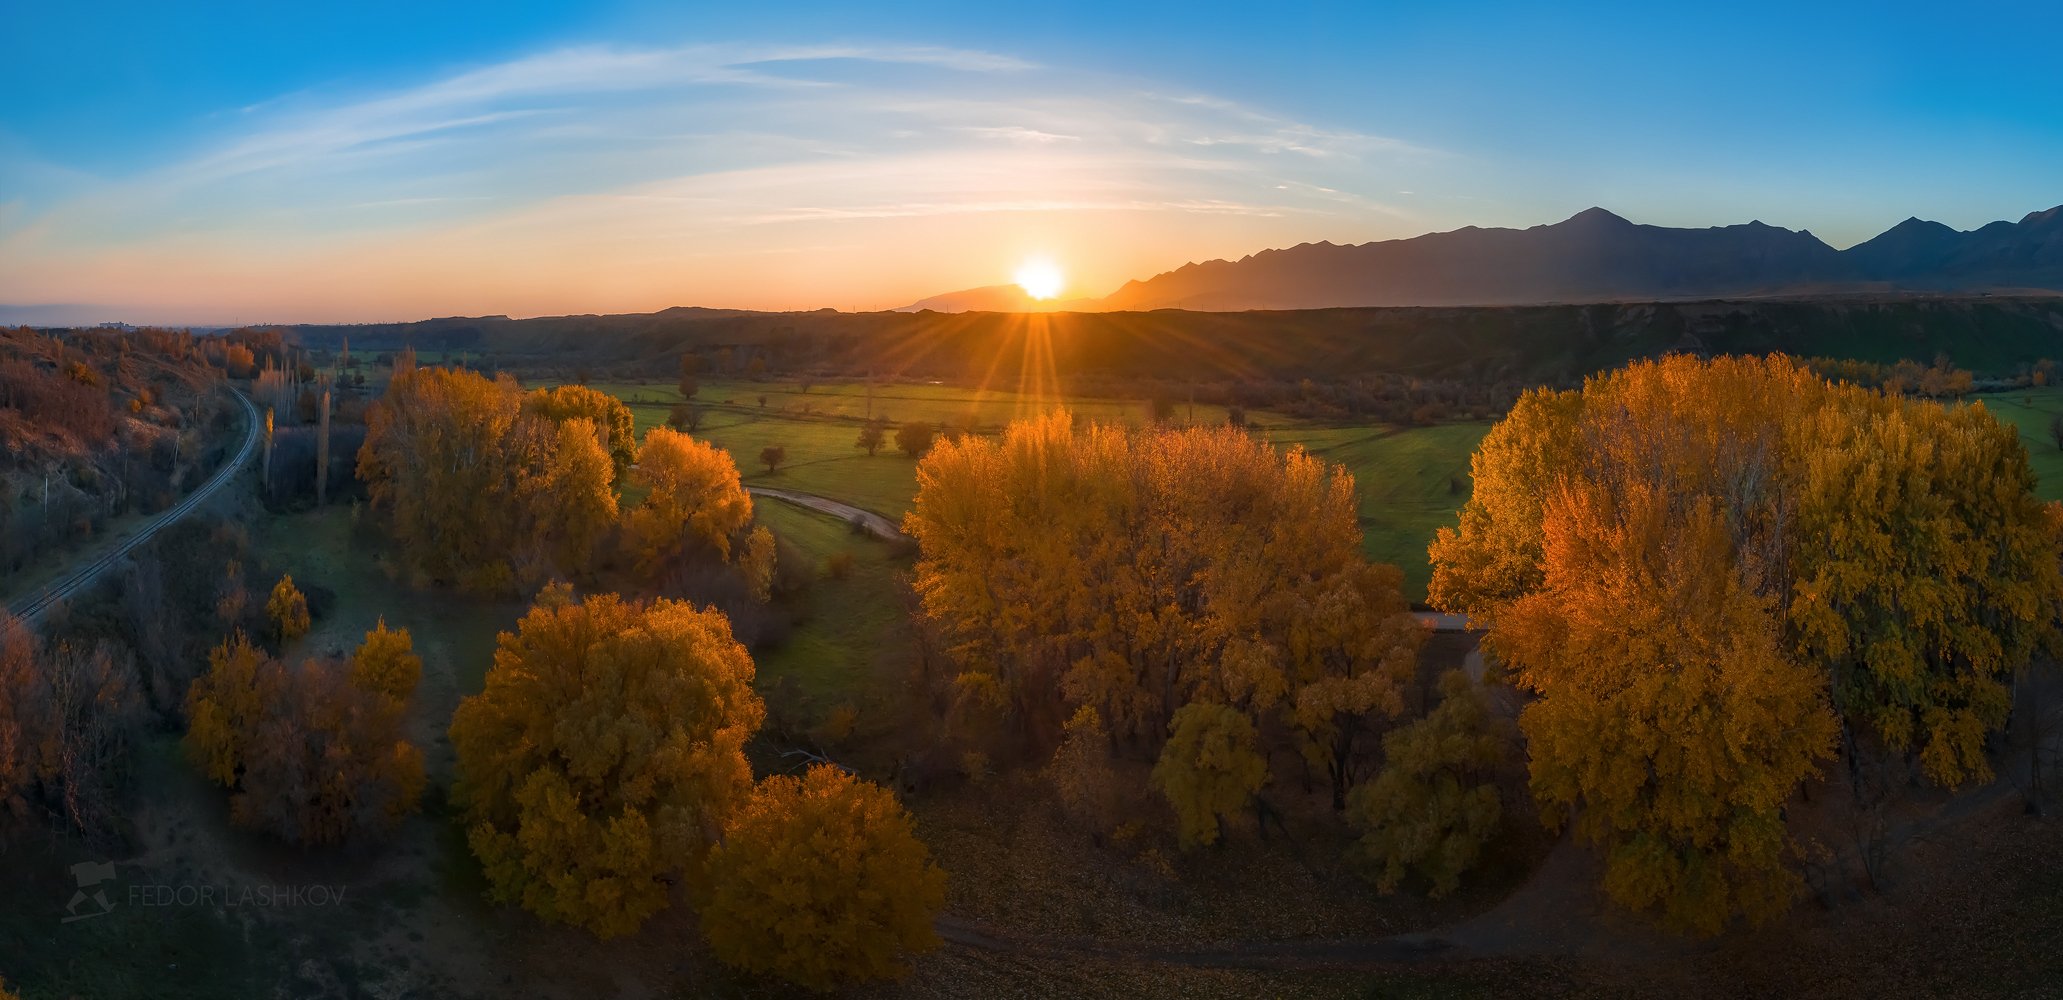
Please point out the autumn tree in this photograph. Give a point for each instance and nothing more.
(1930, 578)
(605, 754)
(1082, 775)
(288, 610)
(608, 416)
(872, 434)
(1138, 571)
(1699, 558)
(478, 491)
(68, 719)
(694, 502)
(1209, 769)
(1351, 647)
(914, 438)
(386, 662)
(684, 417)
(312, 754)
(821, 881)
(1434, 804)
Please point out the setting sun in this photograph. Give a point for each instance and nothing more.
(1040, 278)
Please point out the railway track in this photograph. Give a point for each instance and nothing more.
(83, 577)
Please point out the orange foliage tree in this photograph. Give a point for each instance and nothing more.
(605, 754)
(310, 754)
(821, 881)
(288, 609)
(610, 417)
(693, 502)
(1705, 559)
(480, 490)
(67, 719)
(1139, 571)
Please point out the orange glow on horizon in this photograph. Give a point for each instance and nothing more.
(1040, 278)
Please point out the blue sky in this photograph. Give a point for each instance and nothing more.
(271, 162)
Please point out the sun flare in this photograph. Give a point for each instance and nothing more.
(1040, 278)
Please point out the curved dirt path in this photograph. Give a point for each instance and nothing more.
(876, 525)
(64, 588)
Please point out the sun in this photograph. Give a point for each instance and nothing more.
(1040, 278)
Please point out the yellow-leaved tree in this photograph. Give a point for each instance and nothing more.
(1082, 774)
(1931, 576)
(1434, 804)
(288, 609)
(821, 881)
(386, 662)
(1139, 571)
(1699, 558)
(606, 414)
(1209, 769)
(1669, 710)
(605, 754)
(694, 501)
(479, 489)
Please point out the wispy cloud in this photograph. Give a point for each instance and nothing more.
(578, 172)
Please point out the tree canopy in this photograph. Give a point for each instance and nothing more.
(821, 880)
(1707, 559)
(315, 754)
(480, 488)
(693, 501)
(610, 417)
(1136, 572)
(606, 752)
(1433, 806)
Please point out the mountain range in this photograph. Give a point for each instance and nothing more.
(1593, 256)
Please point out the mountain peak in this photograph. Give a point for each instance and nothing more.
(1594, 215)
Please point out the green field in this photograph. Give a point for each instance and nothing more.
(853, 645)
(1411, 481)
(2030, 410)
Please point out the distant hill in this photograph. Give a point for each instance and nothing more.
(1595, 256)
(998, 298)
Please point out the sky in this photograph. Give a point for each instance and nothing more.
(229, 162)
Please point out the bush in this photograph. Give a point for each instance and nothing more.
(839, 565)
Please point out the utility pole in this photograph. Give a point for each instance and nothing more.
(322, 450)
(268, 452)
